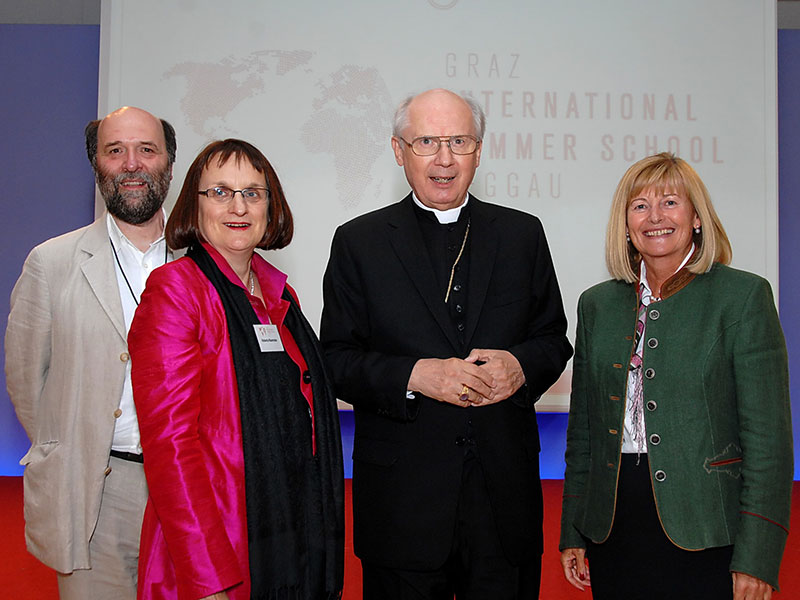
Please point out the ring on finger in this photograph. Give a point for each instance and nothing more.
(464, 396)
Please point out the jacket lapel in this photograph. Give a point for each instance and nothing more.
(406, 239)
(98, 268)
(482, 252)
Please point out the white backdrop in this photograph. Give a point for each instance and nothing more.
(574, 92)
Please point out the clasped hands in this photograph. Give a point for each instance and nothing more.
(484, 377)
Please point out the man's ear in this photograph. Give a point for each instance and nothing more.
(397, 146)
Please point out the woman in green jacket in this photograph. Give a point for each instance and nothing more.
(679, 446)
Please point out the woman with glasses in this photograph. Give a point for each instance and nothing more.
(239, 426)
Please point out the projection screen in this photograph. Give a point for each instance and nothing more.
(574, 92)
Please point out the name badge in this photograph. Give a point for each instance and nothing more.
(269, 340)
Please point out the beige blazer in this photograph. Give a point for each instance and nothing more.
(65, 366)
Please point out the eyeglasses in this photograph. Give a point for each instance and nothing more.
(222, 195)
(428, 145)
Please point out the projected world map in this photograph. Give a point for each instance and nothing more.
(346, 117)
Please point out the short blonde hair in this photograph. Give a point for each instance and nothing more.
(660, 172)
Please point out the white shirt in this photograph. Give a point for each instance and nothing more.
(136, 266)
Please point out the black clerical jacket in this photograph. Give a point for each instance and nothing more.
(384, 310)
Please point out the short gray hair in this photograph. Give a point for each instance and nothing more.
(401, 115)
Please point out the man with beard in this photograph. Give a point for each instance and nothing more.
(68, 369)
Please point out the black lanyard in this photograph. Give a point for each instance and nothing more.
(121, 270)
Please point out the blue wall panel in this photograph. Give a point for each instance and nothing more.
(49, 75)
(789, 211)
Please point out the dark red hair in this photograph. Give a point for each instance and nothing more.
(183, 226)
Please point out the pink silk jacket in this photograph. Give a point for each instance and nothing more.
(194, 535)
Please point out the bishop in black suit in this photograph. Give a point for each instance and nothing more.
(443, 324)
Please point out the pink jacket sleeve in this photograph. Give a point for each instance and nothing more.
(187, 408)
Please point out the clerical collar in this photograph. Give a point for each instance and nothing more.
(444, 217)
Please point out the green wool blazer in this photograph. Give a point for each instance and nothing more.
(717, 415)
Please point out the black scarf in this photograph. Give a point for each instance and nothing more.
(295, 499)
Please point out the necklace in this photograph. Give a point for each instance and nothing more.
(252, 283)
(458, 258)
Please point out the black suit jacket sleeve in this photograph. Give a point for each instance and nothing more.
(370, 379)
(545, 349)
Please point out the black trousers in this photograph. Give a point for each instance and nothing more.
(638, 561)
(476, 568)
